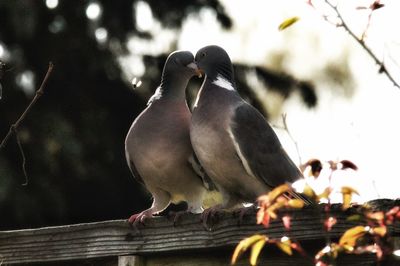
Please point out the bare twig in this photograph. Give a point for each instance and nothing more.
(22, 155)
(368, 25)
(14, 127)
(285, 126)
(382, 68)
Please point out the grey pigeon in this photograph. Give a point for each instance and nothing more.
(158, 148)
(234, 143)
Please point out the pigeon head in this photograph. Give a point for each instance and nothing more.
(180, 64)
(179, 68)
(213, 61)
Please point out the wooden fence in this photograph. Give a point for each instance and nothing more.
(188, 243)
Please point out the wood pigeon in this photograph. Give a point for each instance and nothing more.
(158, 148)
(234, 143)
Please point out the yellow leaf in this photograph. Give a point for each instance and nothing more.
(346, 201)
(285, 245)
(255, 251)
(347, 193)
(349, 190)
(308, 191)
(349, 238)
(287, 23)
(325, 194)
(296, 203)
(244, 245)
(273, 194)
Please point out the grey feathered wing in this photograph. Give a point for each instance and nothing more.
(259, 148)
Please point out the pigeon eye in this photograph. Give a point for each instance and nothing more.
(203, 54)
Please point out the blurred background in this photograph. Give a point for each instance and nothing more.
(338, 106)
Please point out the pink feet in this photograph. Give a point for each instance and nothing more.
(137, 218)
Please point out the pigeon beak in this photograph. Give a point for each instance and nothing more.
(193, 66)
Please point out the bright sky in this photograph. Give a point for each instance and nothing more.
(363, 129)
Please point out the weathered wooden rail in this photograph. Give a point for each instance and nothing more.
(161, 243)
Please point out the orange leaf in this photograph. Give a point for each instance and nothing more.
(379, 216)
(286, 221)
(349, 238)
(272, 214)
(245, 244)
(296, 203)
(260, 215)
(255, 251)
(287, 23)
(330, 222)
(285, 245)
(380, 231)
(393, 211)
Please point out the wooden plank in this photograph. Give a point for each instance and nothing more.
(158, 236)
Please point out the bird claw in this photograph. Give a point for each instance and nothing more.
(241, 212)
(138, 218)
(209, 216)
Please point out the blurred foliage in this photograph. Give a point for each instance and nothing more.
(74, 137)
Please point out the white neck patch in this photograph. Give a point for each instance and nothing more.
(157, 95)
(223, 83)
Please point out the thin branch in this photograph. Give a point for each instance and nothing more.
(382, 68)
(23, 157)
(39, 93)
(14, 127)
(285, 126)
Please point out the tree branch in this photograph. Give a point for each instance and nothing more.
(14, 127)
(382, 68)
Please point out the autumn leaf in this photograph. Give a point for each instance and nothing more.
(316, 167)
(393, 211)
(296, 203)
(286, 221)
(325, 194)
(378, 216)
(349, 238)
(287, 23)
(329, 223)
(285, 245)
(346, 164)
(245, 244)
(376, 5)
(309, 192)
(354, 218)
(347, 193)
(255, 251)
(380, 231)
(272, 195)
(331, 250)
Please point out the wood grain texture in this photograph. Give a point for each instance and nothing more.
(159, 236)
